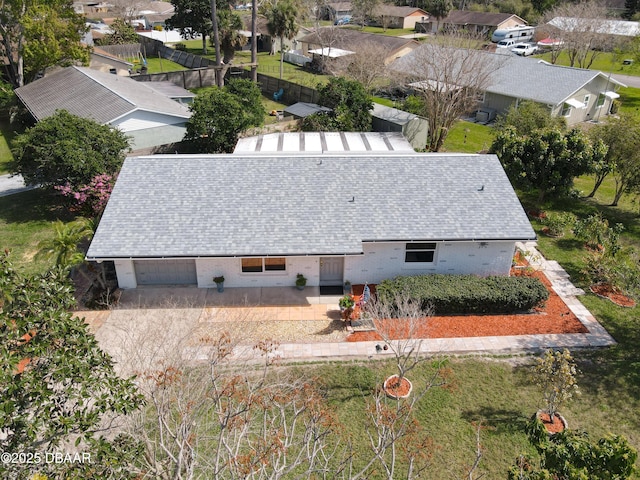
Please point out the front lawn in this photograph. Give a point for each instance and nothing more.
(25, 220)
(605, 62)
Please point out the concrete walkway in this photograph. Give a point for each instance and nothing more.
(152, 324)
(10, 184)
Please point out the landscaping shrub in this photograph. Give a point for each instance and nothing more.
(461, 294)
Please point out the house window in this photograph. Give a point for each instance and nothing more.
(420, 252)
(601, 99)
(268, 264)
(566, 110)
(586, 100)
(257, 265)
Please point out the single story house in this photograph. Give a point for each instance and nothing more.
(148, 116)
(412, 127)
(335, 10)
(482, 23)
(324, 143)
(393, 16)
(618, 28)
(355, 41)
(104, 61)
(577, 94)
(185, 219)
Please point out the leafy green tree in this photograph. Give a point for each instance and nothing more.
(62, 247)
(250, 97)
(351, 107)
(218, 118)
(571, 455)
(547, 159)
(192, 18)
(56, 384)
(622, 137)
(439, 9)
(36, 34)
(555, 374)
(63, 149)
(529, 116)
(122, 33)
(229, 26)
(281, 23)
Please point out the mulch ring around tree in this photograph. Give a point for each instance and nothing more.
(605, 290)
(555, 317)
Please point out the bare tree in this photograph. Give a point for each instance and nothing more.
(447, 75)
(366, 66)
(582, 29)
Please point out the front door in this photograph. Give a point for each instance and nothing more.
(331, 271)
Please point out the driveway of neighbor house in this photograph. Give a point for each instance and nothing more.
(154, 326)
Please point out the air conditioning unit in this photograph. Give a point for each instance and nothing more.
(485, 115)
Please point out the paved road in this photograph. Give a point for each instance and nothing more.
(628, 80)
(12, 184)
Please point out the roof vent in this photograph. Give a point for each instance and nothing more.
(353, 199)
(481, 189)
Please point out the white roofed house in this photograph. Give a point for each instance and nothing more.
(261, 219)
(150, 117)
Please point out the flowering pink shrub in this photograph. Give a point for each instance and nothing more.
(91, 198)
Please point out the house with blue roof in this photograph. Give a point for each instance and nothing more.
(261, 219)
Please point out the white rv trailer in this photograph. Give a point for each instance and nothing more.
(519, 33)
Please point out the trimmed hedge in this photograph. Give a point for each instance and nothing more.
(465, 294)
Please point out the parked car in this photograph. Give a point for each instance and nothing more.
(524, 49)
(343, 20)
(506, 43)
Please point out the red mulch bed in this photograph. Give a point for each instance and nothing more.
(554, 426)
(605, 290)
(554, 317)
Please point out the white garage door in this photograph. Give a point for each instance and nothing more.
(165, 272)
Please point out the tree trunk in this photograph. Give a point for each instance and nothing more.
(204, 44)
(599, 180)
(281, 56)
(216, 43)
(254, 41)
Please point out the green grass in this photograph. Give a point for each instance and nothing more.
(6, 134)
(468, 137)
(630, 101)
(159, 65)
(605, 62)
(25, 220)
(391, 32)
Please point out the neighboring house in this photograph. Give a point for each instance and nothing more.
(265, 40)
(392, 16)
(577, 94)
(413, 127)
(259, 220)
(355, 41)
(312, 143)
(482, 23)
(602, 26)
(335, 10)
(149, 117)
(109, 63)
(173, 91)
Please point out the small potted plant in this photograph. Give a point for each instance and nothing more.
(346, 305)
(219, 283)
(301, 281)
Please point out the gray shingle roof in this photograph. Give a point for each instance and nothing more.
(518, 77)
(348, 39)
(93, 94)
(227, 205)
(462, 17)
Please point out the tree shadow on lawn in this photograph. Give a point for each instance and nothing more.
(502, 420)
(33, 206)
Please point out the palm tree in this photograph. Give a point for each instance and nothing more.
(281, 22)
(63, 247)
